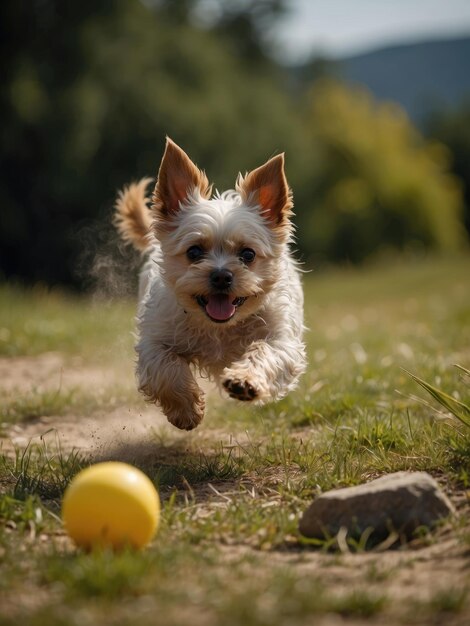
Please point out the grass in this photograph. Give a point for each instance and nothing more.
(228, 550)
(456, 407)
(44, 320)
(37, 471)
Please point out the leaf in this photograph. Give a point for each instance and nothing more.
(459, 409)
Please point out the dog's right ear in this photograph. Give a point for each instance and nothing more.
(178, 178)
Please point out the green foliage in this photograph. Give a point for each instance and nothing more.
(452, 128)
(456, 407)
(89, 100)
(378, 183)
(89, 93)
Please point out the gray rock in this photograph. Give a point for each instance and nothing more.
(399, 502)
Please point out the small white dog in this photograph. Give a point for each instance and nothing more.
(219, 292)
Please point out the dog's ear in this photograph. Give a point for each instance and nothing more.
(178, 178)
(267, 187)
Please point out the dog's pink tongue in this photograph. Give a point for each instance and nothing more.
(220, 307)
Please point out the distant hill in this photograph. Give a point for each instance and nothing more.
(420, 76)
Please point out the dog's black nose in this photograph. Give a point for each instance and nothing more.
(221, 279)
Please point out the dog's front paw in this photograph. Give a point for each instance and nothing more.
(240, 390)
(186, 418)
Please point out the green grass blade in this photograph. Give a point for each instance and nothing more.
(459, 409)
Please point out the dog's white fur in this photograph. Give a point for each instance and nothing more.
(256, 354)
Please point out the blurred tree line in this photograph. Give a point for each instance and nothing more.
(90, 89)
(452, 128)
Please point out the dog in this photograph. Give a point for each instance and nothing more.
(219, 292)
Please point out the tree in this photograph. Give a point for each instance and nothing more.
(452, 128)
(90, 91)
(376, 182)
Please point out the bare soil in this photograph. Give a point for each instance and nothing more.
(94, 435)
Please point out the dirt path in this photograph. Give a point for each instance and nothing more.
(105, 433)
(132, 432)
(52, 370)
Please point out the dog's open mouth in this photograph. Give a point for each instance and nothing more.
(219, 306)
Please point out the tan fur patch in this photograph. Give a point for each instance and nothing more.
(133, 219)
(267, 186)
(178, 176)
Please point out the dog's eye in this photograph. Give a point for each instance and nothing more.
(195, 253)
(247, 255)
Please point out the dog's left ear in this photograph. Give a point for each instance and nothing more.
(177, 179)
(267, 187)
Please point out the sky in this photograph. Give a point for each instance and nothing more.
(337, 28)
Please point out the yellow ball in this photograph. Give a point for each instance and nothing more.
(111, 504)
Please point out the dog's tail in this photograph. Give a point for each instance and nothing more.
(132, 218)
